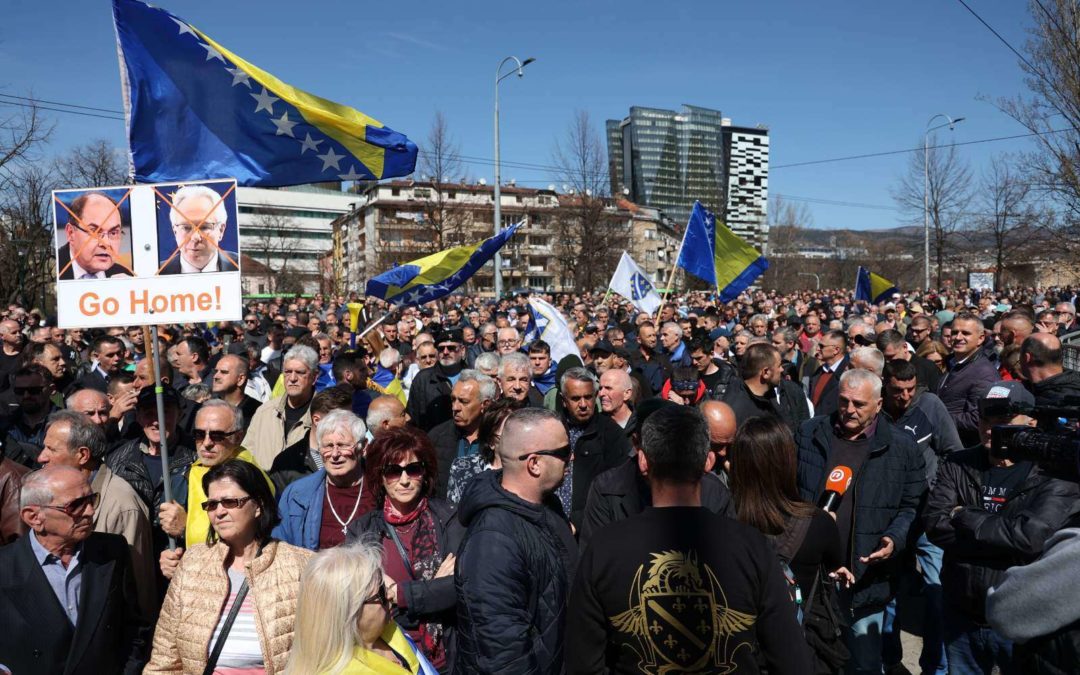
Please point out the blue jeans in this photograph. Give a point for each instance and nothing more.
(932, 660)
(863, 640)
(974, 649)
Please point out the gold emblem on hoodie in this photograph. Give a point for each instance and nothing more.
(681, 619)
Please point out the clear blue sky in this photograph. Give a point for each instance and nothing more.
(830, 79)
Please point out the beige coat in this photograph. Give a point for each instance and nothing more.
(121, 511)
(197, 596)
(265, 437)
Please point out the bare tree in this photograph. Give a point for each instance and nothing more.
(1008, 226)
(590, 235)
(787, 221)
(21, 135)
(948, 180)
(274, 247)
(94, 164)
(1052, 108)
(445, 219)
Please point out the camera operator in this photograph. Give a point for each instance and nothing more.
(1041, 365)
(989, 513)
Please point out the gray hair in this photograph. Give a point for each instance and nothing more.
(578, 374)
(389, 358)
(82, 433)
(674, 326)
(488, 388)
(856, 377)
(68, 401)
(743, 333)
(487, 361)
(303, 354)
(220, 214)
(516, 360)
(237, 413)
(759, 317)
(868, 358)
(36, 489)
(341, 420)
(789, 334)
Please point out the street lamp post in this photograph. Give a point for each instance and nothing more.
(499, 77)
(926, 188)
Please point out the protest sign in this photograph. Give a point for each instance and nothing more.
(147, 254)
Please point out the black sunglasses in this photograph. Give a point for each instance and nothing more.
(379, 598)
(229, 504)
(413, 469)
(215, 436)
(562, 454)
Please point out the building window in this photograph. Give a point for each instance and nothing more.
(395, 192)
(422, 193)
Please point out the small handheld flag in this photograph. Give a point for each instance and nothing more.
(437, 275)
(871, 287)
(195, 110)
(547, 324)
(631, 282)
(718, 256)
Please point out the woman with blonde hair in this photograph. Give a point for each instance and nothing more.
(343, 622)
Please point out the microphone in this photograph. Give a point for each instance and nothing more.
(835, 487)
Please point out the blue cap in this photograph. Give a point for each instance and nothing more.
(718, 333)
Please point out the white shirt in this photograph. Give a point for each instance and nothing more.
(78, 272)
(188, 268)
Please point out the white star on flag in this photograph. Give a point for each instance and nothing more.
(265, 101)
(331, 159)
(212, 53)
(239, 77)
(284, 126)
(309, 143)
(184, 28)
(352, 175)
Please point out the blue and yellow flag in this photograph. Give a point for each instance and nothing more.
(718, 256)
(195, 111)
(437, 275)
(873, 288)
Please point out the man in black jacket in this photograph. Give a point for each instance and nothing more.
(831, 353)
(763, 389)
(518, 556)
(970, 374)
(989, 514)
(622, 492)
(1041, 365)
(459, 436)
(877, 510)
(653, 595)
(429, 395)
(598, 444)
(67, 596)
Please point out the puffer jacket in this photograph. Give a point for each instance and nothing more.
(512, 576)
(979, 545)
(198, 593)
(887, 491)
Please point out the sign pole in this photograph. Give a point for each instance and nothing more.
(166, 481)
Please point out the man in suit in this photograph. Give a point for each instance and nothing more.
(67, 597)
(198, 220)
(831, 353)
(94, 234)
(107, 354)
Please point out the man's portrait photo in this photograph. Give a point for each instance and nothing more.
(93, 234)
(199, 236)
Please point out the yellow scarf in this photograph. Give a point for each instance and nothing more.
(198, 523)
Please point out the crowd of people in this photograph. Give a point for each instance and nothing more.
(753, 486)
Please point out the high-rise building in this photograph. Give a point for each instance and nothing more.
(669, 160)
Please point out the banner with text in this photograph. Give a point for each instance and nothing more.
(119, 251)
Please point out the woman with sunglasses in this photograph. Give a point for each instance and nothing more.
(343, 618)
(317, 509)
(419, 533)
(232, 601)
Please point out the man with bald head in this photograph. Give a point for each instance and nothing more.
(1016, 326)
(385, 412)
(616, 392)
(67, 594)
(94, 235)
(230, 382)
(91, 403)
(518, 554)
(1041, 365)
(11, 344)
(722, 427)
(623, 491)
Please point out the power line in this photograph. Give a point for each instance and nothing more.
(998, 36)
(71, 112)
(66, 105)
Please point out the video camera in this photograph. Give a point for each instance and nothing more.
(1054, 446)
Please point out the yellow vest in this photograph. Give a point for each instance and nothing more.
(198, 523)
(366, 662)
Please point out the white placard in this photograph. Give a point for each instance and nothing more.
(147, 254)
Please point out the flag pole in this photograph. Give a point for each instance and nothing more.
(671, 277)
(158, 390)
